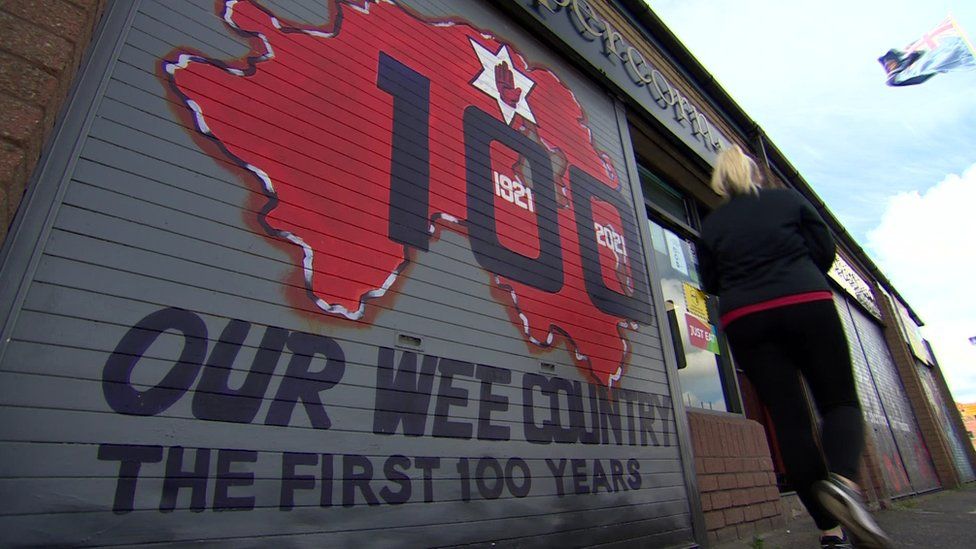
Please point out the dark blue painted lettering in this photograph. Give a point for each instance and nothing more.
(227, 479)
(464, 473)
(325, 496)
(119, 393)
(544, 272)
(301, 384)
(491, 402)
(447, 396)
(645, 407)
(518, 490)
(634, 306)
(402, 395)
(427, 465)
(489, 488)
(397, 476)
(633, 467)
(579, 476)
(291, 481)
(214, 399)
(560, 434)
(610, 418)
(177, 478)
(130, 458)
(533, 433)
(410, 152)
(664, 411)
(600, 477)
(617, 472)
(557, 474)
(628, 398)
(352, 479)
(577, 415)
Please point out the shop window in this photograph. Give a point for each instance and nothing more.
(666, 199)
(704, 366)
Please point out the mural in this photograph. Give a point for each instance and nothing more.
(337, 274)
(373, 134)
(414, 397)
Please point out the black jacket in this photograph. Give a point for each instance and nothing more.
(757, 248)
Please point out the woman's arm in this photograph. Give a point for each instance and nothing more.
(817, 236)
(706, 268)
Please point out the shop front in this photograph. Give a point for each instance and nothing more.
(905, 464)
(923, 361)
(357, 273)
(402, 273)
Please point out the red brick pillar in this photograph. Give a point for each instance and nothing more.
(735, 476)
(954, 414)
(41, 45)
(928, 423)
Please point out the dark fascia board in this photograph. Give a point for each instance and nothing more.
(657, 33)
(548, 37)
(652, 26)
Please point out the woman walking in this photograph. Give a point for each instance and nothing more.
(765, 253)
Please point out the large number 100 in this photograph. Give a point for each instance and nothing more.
(410, 198)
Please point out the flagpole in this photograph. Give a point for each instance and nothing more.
(962, 33)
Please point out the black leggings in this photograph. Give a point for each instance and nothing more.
(774, 347)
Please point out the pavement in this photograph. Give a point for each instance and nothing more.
(941, 520)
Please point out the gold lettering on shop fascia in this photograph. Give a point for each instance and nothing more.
(641, 72)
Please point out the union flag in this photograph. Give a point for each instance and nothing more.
(944, 48)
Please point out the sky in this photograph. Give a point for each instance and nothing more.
(896, 165)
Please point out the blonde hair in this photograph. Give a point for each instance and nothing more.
(735, 173)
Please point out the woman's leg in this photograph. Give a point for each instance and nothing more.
(809, 338)
(763, 347)
(825, 361)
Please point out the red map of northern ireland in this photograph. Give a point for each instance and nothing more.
(304, 114)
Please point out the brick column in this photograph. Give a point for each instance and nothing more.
(928, 422)
(954, 416)
(41, 45)
(735, 476)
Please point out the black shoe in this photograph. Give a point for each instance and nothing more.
(842, 499)
(834, 542)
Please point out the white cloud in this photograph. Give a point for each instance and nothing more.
(808, 73)
(926, 245)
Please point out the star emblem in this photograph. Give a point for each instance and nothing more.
(502, 82)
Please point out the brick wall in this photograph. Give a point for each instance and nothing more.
(735, 476)
(41, 45)
(930, 428)
(968, 413)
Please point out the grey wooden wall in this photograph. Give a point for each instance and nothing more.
(168, 379)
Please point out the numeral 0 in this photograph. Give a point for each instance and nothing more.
(410, 188)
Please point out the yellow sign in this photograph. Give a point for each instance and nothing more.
(695, 300)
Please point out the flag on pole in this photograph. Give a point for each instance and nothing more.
(945, 48)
